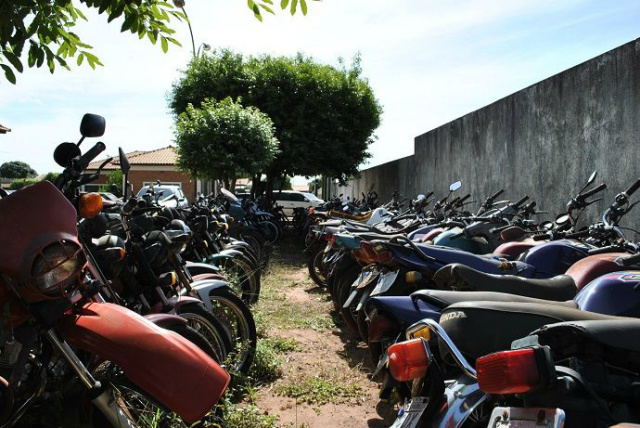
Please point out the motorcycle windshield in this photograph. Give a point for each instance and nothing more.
(32, 218)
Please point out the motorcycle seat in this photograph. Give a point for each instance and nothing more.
(616, 342)
(481, 328)
(444, 298)
(464, 278)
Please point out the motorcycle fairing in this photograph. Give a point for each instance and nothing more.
(171, 369)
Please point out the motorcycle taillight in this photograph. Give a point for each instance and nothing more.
(514, 372)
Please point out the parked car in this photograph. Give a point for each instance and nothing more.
(167, 195)
(290, 199)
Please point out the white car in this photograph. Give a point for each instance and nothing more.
(290, 199)
(167, 195)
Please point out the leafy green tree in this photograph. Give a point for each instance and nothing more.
(42, 30)
(224, 140)
(22, 182)
(324, 116)
(51, 176)
(113, 183)
(16, 169)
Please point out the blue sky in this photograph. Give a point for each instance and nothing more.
(429, 62)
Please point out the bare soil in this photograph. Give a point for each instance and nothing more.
(331, 353)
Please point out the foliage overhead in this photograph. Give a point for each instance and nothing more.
(16, 169)
(224, 140)
(41, 31)
(114, 182)
(324, 116)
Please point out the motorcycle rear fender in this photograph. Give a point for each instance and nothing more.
(171, 369)
(204, 288)
(224, 254)
(461, 398)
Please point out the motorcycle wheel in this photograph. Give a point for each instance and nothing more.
(140, 409)
(257, 242)
(236, 316)
(210, 328)
(198, 339)
(347, 313)
(244, 278)
(363, 326)
(314, 265)
(270, 231)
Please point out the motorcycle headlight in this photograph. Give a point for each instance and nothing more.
(57, 266)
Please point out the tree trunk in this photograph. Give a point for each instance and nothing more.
(232, 185)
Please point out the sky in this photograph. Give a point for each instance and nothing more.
(428, 62)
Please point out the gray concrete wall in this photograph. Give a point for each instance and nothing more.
(543, 141)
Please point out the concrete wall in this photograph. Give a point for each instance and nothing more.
(543, 141)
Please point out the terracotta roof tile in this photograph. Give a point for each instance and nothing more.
(163, 156)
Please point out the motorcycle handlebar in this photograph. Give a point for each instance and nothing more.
(521, 201)
(467, 196)
(593, 191)
(580, 234)
(607, 249)
(495, 195)
(90, 155)
(635, 186)
(541, 237)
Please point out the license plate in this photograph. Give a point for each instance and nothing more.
(384, 283)
(409, 415)
(520, 417)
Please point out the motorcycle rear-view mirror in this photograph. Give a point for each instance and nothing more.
(562, 219)
(455, 186)
(592, 177)
(64, 153)
(124, 162)
(92, 125)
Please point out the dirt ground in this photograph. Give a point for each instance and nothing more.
(326, 380)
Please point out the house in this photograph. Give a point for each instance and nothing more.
(146, 168)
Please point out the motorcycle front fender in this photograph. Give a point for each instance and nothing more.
(165, 320)
(201, 268)
(204, 288)
(171, 369)
(179, 301)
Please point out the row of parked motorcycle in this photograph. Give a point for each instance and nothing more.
(490, 318)
(141, 309)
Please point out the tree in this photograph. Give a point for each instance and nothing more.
(16, 169)
(113, 183)
(324, 116)
(224, 140)
(42, 29)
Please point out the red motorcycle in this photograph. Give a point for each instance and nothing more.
(56, 331)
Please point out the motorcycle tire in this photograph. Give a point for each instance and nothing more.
(236, 316)
(213, 331)
(244, 278)
(197, 339)
(314, 266)
(347, 313)
(363, 325)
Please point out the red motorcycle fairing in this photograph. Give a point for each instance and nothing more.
(171, 369)
(586, 270)
(431, 235)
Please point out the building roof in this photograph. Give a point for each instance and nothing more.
(163, 156)
(4, 129)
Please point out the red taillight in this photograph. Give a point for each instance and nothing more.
(408, 360)
(381, 327)
(508, 372)
(377, 253)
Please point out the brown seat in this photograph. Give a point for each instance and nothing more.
(461, 277)
(480, 328)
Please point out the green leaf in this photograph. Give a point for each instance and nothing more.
(128, 23)
(294, 6)
(165, 44)
(267, 8)
(303, 6)
(8, 72)
(80, 59)
(39, 57)
(284, 4)
(13, 59)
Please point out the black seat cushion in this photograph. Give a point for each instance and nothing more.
(444, 298)
(460, 277)
(480, 328)
(616, 342)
